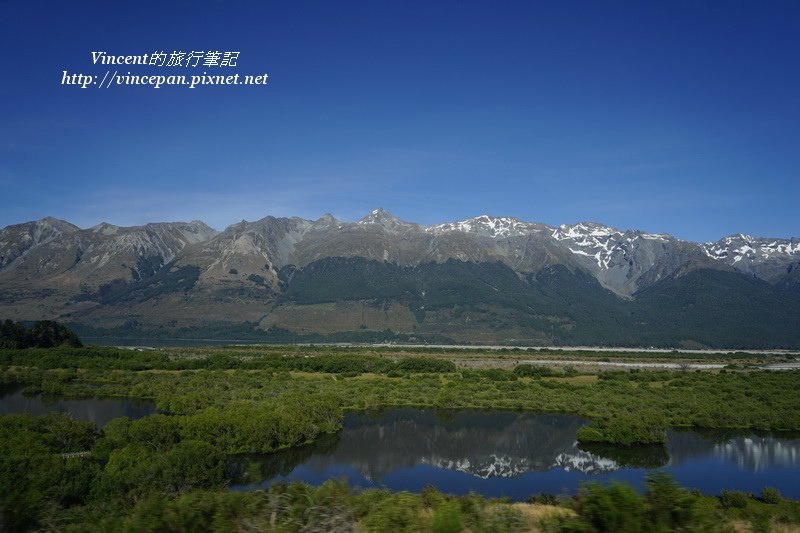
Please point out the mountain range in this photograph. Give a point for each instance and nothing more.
(481, 280)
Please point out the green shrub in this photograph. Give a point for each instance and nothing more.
(771, 495)
(544, 498)
(156, 432)
(496, 374)
(669, 507)
(504, 519)
(431, 497)
(614, 508)
(416, 365)
(534, 371)
(447, 518)
(191, 465)
(33, 477)
(733, 499)
(115, 435)
(627, 431)
(398, 513)
(570, 371)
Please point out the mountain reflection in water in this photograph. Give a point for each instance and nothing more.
(478, 443)
(746, 451)
(510, 454)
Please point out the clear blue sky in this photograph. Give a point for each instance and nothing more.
(679, 116)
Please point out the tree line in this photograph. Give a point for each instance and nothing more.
(40, 334)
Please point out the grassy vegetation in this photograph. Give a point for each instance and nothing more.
(165, 472)
(486, 357)
(186, 384)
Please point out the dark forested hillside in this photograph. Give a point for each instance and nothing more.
(703, 307)
(485, 280)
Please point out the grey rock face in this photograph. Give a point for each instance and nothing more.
(765, 258)
(626, 261)
(54, 253)
(248, 249)
(63, 256)
(16, 240)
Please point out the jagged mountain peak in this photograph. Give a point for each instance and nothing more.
(764, 257)
(583, 229)
(103, 253)
(385, 219)
(16, 240)
(592, 241)
(626, 261)
(195, 231)
(57, 222)
(297, 273)
(746, 245)
(44, 227)
(623, 261)
(200, 225)
(105, 228)
(489, 226)
(267, 224)
(326, 221)
(377, 216)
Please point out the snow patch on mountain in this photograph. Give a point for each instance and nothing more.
(588, 239)
(496, 227)
(737, 248)
(605, 245)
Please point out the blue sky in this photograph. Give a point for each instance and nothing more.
(679, 117)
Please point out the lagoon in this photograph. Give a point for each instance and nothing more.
(515, 455)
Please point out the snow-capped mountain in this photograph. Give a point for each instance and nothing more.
(254, 271)
(485, 225)
(765, 258)
(387, 221)
(601, 243)
(627, 261)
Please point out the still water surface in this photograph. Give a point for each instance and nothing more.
(519, 454)
(97, 410)
(492, 453)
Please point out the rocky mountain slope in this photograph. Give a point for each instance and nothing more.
(769, 259)
(492, 279)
